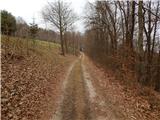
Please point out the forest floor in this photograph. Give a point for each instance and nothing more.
(118, 101)
(89, 93)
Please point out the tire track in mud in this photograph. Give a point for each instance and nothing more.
(74, 104)
(80, 100)
(104, 108)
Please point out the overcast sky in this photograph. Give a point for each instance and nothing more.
(27, 9)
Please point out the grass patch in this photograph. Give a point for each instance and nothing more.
(14, 46)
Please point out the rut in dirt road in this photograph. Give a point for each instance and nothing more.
(75, 104)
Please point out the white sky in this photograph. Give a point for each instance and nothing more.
(27, 9)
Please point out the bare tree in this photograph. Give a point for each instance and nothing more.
(140, 37)
(115, 26)
(140, 23)
(60, 15)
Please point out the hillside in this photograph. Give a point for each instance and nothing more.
(31, 76)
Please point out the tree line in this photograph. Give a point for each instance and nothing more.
(57, 14)
(61, 16)
(124, 35)
(12, 26)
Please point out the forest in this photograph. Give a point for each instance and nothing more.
(124, 36)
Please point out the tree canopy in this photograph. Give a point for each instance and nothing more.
(8, 23)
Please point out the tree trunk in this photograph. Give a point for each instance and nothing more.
(132, 24)
(65, 42)
(140, 22)
(60, 28)
(148, 67)
(140, 38)
(62, 44)
(155, 31)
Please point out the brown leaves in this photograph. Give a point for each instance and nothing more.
(123, 99)
(30, 86)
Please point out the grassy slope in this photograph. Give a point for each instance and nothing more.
(31, 81)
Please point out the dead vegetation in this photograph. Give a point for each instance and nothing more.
(31, 78)
(127, 101)
(124, 41)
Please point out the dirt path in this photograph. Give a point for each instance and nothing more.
(103, 108)
(79, 98)
(74, 103)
